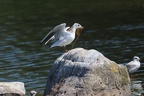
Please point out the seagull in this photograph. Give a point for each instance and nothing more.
(33, 93)
(133, 65)
(62, 35)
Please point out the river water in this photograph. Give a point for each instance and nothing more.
(113, 27)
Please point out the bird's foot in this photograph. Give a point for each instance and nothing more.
(66, 50)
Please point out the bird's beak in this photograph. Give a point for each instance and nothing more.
(82, 28)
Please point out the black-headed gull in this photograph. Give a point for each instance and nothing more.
(133, 65)
(62, 35)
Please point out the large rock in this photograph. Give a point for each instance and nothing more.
(12, 89)
(81, 72)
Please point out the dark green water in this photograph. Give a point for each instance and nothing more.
(113, 27)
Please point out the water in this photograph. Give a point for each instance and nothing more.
(114, 27)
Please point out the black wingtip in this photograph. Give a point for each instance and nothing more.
(41, 42)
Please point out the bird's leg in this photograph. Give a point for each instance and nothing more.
(130, 75)
(65, 49)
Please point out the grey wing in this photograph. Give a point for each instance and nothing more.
(52, 33)
(130, 66)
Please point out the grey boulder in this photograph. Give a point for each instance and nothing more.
(81, 72)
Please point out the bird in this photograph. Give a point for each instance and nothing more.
(62, 35)
(33, 93)
(133, 65)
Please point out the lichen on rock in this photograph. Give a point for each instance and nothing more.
(81, 72)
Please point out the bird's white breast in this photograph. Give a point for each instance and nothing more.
(69, 38)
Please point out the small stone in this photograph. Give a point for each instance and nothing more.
(12, 89)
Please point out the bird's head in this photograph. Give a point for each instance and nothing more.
(33, 93)
(77, 26)
(136, 58)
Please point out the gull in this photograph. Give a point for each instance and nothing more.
(133, 65)
(62, 35)
(33, 93)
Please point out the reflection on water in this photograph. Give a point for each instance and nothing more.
(114, 28)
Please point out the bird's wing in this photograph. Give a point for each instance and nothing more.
(130, 65)
(56, 31)
(52, 38)
(58, 43)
